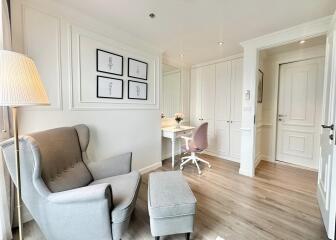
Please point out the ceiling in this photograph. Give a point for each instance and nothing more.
(193, 27)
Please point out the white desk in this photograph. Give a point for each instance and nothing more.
(174, 133)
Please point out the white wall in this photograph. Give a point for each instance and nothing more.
(266, 112)
(115, 127)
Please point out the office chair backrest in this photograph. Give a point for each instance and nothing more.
(200, 137)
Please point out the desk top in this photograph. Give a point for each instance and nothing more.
(174, 129)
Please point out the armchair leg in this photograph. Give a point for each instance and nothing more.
(187, 236)
(157, 238)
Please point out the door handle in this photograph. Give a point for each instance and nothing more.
(331, 127)
(282, 115)
(331, 137)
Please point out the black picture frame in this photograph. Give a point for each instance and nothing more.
(114, 54)
(260, 86)
(128, 68)
(128, 90)
(115, 79)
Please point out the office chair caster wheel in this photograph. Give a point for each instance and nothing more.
(209, 166)
(199, 173)
(181, 167)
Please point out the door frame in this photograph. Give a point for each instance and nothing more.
(252, 49)
(286, 60)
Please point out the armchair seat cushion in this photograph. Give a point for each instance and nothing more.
(124, 191)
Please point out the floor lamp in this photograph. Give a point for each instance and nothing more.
(20, 85)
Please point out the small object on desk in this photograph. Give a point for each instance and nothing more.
(178, 118)
(173, 133)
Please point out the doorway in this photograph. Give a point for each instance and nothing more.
(288, 112)
(299, 112)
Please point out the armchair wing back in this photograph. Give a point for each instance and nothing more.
(61, 158)
(66, 197)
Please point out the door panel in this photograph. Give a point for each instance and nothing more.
(326, 184)
(235, 140)
(222, 107)
(222, 137)
(208, 90)
(195, 96)
(208, 101)
(236, 108)
(236, 89)
(223, 91)
(299, 112)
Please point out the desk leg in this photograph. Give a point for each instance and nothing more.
(173, 151)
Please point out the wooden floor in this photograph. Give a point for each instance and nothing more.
(279, 203)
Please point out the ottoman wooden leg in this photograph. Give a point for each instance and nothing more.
(187, 235)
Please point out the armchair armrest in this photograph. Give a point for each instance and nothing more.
(110, 167)
(187, 139)
(84, 194)
(82, 213)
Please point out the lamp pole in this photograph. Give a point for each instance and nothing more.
(18, 174)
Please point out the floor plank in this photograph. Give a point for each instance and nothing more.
(278, 203)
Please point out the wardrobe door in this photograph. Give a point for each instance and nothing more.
(236, 108)
(196, 97)
(222, 108)
(208, 101)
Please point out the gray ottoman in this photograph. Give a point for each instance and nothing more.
(171, 204)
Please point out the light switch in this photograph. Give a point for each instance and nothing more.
(247, 95)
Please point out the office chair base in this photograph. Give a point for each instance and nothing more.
(194, 159)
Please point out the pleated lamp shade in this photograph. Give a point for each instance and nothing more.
(20, 83)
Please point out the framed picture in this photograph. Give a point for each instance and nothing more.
(110, 63)
(137, 90)
(110, 88)
(137, 69)
(260, 86)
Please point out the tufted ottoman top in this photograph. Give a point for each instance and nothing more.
(169, 195)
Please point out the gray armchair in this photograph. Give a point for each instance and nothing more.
(68, 198)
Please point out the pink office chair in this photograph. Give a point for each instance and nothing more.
(196, 144)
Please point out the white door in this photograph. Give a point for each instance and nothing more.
(299, 112)
(326, 186)
(222, 113)
(208, 101)
(236, 108)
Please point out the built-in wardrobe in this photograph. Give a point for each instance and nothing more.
(216, 98)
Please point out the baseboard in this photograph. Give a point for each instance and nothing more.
(257, 161)
(150, 168)
(296, 166)
(246, 172)
(168, 155)
(222, 156)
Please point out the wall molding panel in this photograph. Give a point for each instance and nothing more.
(44, 50)
(83, 86)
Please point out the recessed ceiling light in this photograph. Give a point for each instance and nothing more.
(181, 55)
(220, 43)
(302, 41)
(152, 15)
